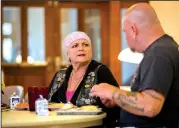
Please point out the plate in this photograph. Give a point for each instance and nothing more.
(79, 112)
(55, 106)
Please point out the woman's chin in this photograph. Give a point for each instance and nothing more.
(82, 60)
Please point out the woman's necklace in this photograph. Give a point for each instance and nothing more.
(75, 81)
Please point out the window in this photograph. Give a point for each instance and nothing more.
(68, 24)
(93, 29)
(11, 34)
(36, 34)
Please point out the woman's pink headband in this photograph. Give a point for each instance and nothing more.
(70, 38)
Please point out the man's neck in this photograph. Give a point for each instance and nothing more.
(151, 39)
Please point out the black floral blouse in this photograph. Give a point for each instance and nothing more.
(96, 73)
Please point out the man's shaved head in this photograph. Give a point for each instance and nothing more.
(141, 26)
(142, 14)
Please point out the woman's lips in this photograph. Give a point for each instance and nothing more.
(81, 55)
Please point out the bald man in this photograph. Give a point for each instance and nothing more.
(154, 97)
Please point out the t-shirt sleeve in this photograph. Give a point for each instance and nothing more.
(105, 76)
(156, 73)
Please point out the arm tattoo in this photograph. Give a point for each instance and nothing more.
(152, 95)
(125, 100)
(131, 94)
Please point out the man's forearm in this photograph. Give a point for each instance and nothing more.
(135, 103)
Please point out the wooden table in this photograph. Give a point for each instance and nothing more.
(27, 119)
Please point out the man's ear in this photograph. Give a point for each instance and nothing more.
(134, 30)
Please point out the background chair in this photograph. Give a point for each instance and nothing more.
(9, 90)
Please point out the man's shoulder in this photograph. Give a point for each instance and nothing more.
(167, 43)
(165, 47)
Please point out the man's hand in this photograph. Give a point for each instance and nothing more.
(103, 90)
(146, 103)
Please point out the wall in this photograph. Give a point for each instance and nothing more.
(168, 13)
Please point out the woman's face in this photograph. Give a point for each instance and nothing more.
(80, 51)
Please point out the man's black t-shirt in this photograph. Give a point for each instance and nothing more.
(159, 70)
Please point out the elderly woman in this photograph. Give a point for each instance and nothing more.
(75, 82)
